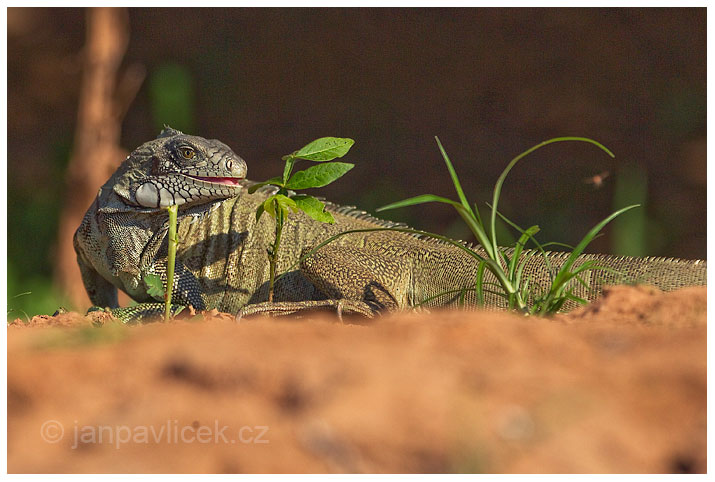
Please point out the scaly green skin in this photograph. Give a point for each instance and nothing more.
(222, 261)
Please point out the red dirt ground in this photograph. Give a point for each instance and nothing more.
(619, 386)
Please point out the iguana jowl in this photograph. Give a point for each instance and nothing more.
(222, 261)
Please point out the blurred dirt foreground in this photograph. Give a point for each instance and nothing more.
(619, 386)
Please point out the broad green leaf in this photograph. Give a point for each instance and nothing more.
(325, 149)
(277, 181)
(155, 288)
(259, 212)
(269, 206)
(287, 170)
(318, 176)
(313, 208)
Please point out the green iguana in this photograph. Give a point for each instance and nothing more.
(222, 262)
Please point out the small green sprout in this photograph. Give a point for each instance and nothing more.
(155, 288)
(285, 200)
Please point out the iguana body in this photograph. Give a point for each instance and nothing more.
(222, 261)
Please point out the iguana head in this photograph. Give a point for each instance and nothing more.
(176, 168)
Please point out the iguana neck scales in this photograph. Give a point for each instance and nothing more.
(222, 261)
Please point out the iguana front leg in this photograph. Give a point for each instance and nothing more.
(101, 292)
(186, 291)
(103, 296)
(144, 312)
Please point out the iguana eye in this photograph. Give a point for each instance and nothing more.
(187, 152)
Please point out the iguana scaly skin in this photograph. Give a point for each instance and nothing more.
(222, 261)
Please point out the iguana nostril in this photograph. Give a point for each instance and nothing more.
(229, 164)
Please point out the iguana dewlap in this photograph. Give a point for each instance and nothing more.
(222, 261)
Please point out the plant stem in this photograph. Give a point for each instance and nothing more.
(173, 241)
(273, 255)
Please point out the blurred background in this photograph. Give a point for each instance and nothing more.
(85, 87)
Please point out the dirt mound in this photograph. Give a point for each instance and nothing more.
(619, 386)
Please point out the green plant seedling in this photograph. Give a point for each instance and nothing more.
(155, 288)
(171, 260)
(285, 200)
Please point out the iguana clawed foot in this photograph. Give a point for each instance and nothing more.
(282, 308)
(140, 313)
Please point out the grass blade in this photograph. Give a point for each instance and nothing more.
(453, 175)
(526, 235)
(479, 283)
(442, 293)
(580, 247)
(556, 243)
(478, 217)
(421, 199)
(512, 163)
(171, 260)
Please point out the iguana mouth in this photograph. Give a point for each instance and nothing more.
(227, 181)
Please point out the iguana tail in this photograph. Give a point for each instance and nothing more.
(540, 270)
(666, 274)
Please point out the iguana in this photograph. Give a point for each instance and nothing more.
(222, 261)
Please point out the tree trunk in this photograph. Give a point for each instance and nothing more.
(96, 152)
